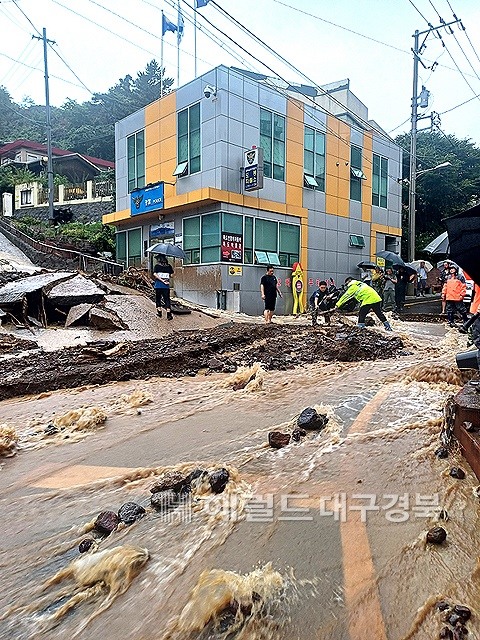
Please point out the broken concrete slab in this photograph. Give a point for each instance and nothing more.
(14, 292)
(105, 320)
(77, 313)
(74, 291)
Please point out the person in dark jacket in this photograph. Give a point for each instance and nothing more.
(401, 288)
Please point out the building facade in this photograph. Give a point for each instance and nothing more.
(330, 196)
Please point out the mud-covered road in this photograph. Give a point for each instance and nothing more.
(223, 348)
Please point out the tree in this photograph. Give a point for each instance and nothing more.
(446, 191)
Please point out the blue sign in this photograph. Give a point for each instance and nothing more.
(147, 199)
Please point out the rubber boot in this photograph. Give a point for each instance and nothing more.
(387, 326)
(169, 315)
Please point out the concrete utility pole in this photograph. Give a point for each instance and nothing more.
(48, 117)
(417, 50)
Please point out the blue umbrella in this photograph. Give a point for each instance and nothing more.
(167, 249)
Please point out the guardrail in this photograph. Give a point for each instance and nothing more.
(86, 263)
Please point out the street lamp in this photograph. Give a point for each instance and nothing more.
(411, 205)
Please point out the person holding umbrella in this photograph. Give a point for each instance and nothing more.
(161, 273)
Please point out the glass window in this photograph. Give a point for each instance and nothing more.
(314, 158)
(134, 247)
(232, 223)
(136, 161)
(289, 244)
(211, 237)
(121, 246)
(379, 181)
(248, 241)
(356, 170)
(272, 141)
(188, 139)
(191, 239)
(265, 235)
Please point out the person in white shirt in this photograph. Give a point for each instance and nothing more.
(422, 278)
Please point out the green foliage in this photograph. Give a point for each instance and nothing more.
(446, 191)
(82, 236)
(87, 127)
(11, 176)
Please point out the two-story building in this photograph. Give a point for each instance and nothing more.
(184, 169)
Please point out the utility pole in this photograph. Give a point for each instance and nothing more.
(417, 51)
(48, 117)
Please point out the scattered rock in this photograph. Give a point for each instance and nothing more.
(105, 320)
(277, 440)
(170, 480)
(446, 634)
(457, 472)
(309, 419)
(442, 605)
(50, 430)
(130, 512)
(85, 545)
(194, 475)
(297, 434)
(106, 522)
(463, 611)
(477, 492)
(215, 364)
(468, 426)
(218, 480)
(436, 535)
(453, 619)
(164, 500)
(460, 632)
(443, 515)
(441, 452)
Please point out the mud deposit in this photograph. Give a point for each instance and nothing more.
(221, 349)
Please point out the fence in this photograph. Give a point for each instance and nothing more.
(85, 263)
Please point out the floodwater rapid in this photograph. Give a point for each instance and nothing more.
(322, 539)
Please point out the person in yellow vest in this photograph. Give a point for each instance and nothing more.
(369, 301)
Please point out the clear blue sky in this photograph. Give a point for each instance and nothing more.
(367, 41)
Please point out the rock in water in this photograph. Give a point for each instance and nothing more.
(437, 535)
(277, 440)
(218, 480)
(442, 605)
(446, 634)
(441, 452)
(164, 500)
(310, 419)
(106, 522)
(457, 472)
(170, 480)
(463, 611)
(298, 434)
(130, 511)
(85, 544)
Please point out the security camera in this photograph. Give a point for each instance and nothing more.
(209, 91)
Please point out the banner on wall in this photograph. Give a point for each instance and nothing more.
(148, 199)
(232, 247)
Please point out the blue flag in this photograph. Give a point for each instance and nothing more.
(167, 25)
(180, 26)
(201, 3)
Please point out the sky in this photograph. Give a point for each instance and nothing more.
(367, 41)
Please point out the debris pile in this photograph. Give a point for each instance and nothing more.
(185, 354)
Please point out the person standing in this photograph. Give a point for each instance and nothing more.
(444, 275)
(369, 301)
(269, 290)
(378, 281)
(422, 278)
(161, 273)
(453, 293)
(401, 288)
(389, 289)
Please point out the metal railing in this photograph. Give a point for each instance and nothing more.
(86, 263)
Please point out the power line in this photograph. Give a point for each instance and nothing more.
(459, 105)
(23, 64)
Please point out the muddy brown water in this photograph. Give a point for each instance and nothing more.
(286, 543)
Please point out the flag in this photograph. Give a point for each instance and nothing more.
(180, 26)
(167, 25)
(201, 3)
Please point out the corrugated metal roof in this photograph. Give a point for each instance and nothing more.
(13, 292)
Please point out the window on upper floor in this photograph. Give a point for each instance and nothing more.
(380, 181)
(356, 173)
(272, 141)
(314, 159)
(188, 141)
(136, 161)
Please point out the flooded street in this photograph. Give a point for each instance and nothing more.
(322, 539)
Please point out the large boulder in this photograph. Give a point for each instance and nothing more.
(278, 440)
(106, 522)
(218, 480)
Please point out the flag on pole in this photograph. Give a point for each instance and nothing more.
(180, 26)
(168, 26)
(201, 3)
